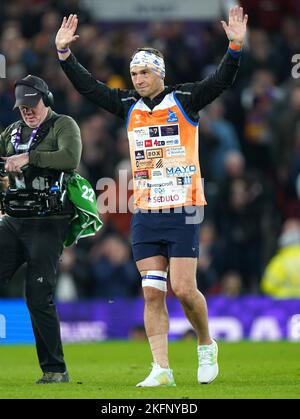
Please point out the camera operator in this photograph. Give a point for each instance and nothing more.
(39, 152)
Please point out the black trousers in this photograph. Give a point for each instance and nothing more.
(40, 244)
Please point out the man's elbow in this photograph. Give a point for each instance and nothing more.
(72, 164)
(72, 161)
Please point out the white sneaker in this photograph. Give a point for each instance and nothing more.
(158, 377)
(208, 363)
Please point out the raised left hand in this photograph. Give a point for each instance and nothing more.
(237, 25)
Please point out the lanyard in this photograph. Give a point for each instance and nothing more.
(17, 140)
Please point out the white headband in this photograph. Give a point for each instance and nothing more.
(151, 61)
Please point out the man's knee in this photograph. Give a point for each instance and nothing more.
(154, 285)
(39, 304)
(38, 295)
(183, 293)
(153, 295)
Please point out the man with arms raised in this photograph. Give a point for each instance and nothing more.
(162, 124)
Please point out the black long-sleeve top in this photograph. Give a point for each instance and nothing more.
(192, 96)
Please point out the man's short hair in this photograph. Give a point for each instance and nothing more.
(149, 49)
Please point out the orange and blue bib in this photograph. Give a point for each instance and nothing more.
(164, 156)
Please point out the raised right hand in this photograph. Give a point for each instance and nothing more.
(66, 34)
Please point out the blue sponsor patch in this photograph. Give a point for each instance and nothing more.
(172, 116)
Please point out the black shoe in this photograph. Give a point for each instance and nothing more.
(54, 377)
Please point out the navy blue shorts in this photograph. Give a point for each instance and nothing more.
(167, 234)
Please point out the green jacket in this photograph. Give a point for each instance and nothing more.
(60, 149)
(86, 221)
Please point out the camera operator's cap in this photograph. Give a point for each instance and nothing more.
(26, 94)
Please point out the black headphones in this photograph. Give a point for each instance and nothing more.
(40, 85)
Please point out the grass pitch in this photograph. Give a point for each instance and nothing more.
(111, 370)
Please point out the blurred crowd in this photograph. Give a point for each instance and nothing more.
(249, 139)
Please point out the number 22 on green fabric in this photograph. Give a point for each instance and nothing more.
(88, 193)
